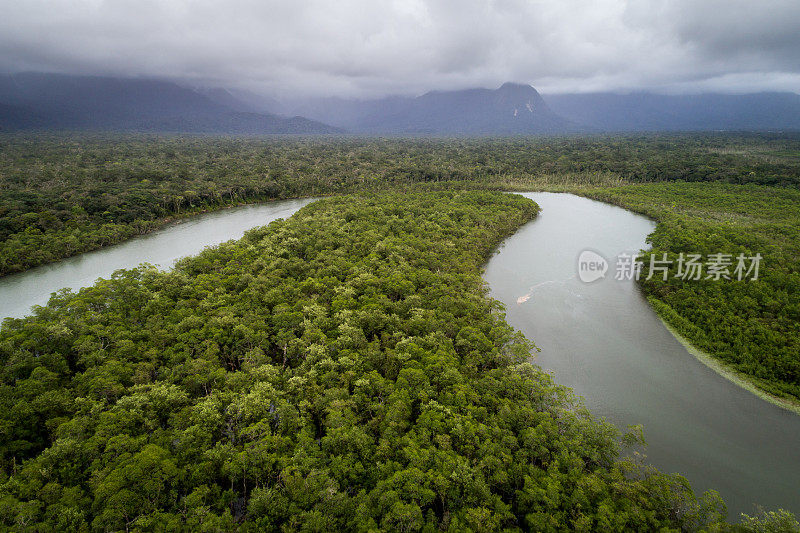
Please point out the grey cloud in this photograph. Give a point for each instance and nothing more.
(374, 47)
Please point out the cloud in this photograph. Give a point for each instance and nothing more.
(376, 47)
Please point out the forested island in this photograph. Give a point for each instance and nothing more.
(344, 368)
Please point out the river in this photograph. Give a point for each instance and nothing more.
(604, 341)
(18, 292)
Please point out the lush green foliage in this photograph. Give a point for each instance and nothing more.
(62, 195)
(752, 326)
(780, 521)
(341, 370)
(344, 369)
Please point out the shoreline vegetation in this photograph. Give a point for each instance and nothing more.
(671, 321)
(113, 234)
(749, 328)
(737, 378)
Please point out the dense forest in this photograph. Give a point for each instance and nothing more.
(340, 370)
(66, 194)
(345, 369)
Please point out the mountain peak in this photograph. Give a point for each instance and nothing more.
(519, 99)
(512, 109)
(515, 85)
(521, 89)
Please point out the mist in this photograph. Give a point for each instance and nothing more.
(370, 49)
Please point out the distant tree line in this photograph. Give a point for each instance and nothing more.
(66, 194)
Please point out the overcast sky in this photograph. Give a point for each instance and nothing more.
(374, 47)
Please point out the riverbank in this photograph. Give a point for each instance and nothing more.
(73, 242)
(665, 313)
(749, 326)
(603, 341)
(737, 378)
(662, 310)
(186, 237)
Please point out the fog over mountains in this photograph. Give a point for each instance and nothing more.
(512, 109)
(699, 112)
(63, 102)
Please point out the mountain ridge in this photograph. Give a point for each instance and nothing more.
(39, 101)
(646, 111)
(32, 101)
(511, 109)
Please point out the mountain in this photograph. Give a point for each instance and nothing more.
(63, 102)
(516, 109)
(241, 100)
(698, 112)
(54, 101)
(512, 109)
(16, 117)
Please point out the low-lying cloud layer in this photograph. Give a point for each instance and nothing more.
(376, 47)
